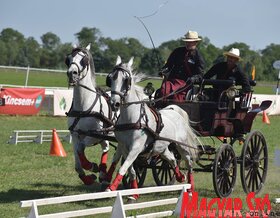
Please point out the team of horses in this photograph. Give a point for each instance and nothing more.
(124, 114)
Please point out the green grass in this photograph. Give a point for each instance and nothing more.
(28, 172)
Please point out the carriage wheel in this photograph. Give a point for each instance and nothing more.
(224, 171)
(162, 172)
(141, 172)
(254, 161)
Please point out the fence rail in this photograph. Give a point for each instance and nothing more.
(38, 136)
(118, 209)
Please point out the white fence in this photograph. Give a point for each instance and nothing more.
(38, 136)
(118, 209)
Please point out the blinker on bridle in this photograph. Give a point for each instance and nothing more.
(84, 61)
(113, 76)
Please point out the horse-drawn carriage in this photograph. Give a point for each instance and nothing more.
(165, 139)
(229, 119)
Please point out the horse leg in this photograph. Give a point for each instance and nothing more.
(116, 158)
(132, 155)
(189, 162)
(87, 179)
(133, 183)
(169, 156)
(103, 160)
(86, 164)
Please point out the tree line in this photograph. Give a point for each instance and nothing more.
(16, 50)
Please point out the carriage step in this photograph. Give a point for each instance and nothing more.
(206, 149)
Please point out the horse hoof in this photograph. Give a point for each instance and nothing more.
(131, 199)
(102, 177)
(88, 180)
(94, 168)
(104, 186)
(107, 190)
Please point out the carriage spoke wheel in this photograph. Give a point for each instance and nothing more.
(141, 172)
(162, 172)
(224, 171)
(254, 161)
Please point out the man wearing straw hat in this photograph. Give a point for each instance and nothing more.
(229, 69)
(184, 64)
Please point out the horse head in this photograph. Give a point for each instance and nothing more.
(79, 62)
(119, 80)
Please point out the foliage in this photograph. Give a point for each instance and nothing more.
(16, 50)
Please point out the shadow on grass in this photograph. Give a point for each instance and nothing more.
(41, 190)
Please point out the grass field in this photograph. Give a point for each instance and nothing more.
(27, 171)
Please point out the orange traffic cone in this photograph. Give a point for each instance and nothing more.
(56, 146)
(265, 118)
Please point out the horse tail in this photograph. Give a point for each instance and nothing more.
(192, 135)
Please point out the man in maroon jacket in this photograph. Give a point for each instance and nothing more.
(184, 64)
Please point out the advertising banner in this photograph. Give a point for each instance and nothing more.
(62, 100)
(22, 101)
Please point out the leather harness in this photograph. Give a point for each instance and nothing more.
(89, 113)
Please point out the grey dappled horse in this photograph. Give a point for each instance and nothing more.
(136, 119)
(89, 111)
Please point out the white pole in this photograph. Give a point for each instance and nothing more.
(277, 87)
(27, 74)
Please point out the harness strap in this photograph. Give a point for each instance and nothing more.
(90, 113)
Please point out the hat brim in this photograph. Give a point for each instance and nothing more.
(232, 55)
(191, 40)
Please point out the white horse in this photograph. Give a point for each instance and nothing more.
(90, 110)
(137, 128)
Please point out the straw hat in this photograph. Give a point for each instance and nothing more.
(191, 36)
(233, 52)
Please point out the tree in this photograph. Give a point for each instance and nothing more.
(50, 56)
(151, 62)
(30, 53)
(124, 47)
(50, 41)
(13, 41)
(270, 54)
(3, 53)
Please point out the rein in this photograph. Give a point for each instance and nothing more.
(138, 125)
(151, 102)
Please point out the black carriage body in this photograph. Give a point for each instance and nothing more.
(229, 117)
(211, 120)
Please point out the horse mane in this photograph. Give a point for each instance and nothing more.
(138, 77)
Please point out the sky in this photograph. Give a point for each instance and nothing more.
(254, 22)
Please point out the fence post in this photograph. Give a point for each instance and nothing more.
(27, 75)
(34, 211)
(118, 209)
(178, 207)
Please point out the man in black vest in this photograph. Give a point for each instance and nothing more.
(184, 64)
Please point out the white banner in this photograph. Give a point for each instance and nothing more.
(274, 108)
(62, 100)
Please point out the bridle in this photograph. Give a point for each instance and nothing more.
(84, 63)
(127, 81)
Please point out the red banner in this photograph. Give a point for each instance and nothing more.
(25, 101)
